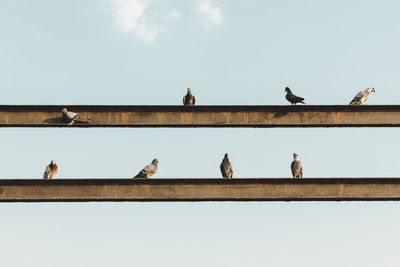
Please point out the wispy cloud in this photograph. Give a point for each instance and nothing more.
(133, 16)
(212, 14)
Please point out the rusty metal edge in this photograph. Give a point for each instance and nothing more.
(196, 181)
(203, 200)
(64, 125)
(201, 108)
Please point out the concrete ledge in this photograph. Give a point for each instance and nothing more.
(204, 116)
(260, 189)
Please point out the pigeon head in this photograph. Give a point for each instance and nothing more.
(53, 162)
(64, 110)
(226, 155)
(295, 155)
(189, 90)
(155, 161)
(287, 89)
(372, 89)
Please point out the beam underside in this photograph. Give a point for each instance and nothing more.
(81, 190)
(205, 116)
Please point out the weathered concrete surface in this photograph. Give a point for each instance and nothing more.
(205, 116)
(333, 189)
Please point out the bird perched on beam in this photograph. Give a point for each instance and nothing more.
(189, 99)
(226, 167)
(294, 99)
(296, 167)
(72, 117)
(361, 97)
(50, 171)
(149, 170)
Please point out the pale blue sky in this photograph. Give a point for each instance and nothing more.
(229, 52)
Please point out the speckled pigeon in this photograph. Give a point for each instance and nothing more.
(71, 117)
(51, 170)
(362, 96)
(226, 167)
(296, 167)
(149, 170)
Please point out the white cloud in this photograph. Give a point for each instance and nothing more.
(133, 16)
(171, 15)
(212, 14)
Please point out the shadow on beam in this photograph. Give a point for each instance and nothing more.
(260, 189)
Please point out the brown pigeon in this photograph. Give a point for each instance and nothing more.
(149, 170)
(294, 99)
(189, 99)
(71, 117)
(226, 167)
(51, 170)
(296, 167)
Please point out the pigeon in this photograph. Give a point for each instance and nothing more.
(51, 170)
(296, 167)
(71, 117)
(294, 99)
(226, 167)
(149, 170)
(189, 99)
(362, 96)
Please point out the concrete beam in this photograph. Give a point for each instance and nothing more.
(205, 116)
(331, 189)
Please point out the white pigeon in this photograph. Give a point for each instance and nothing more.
(149, 170)
(226, 167)
(362, 96)
(71, 117)
(50, 171)
(296, 167)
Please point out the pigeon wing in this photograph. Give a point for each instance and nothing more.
(293, 168)
(145, 171)
(301, 170)
(357, 98)
(223, 171)
(226, 170)
(72, 115)
(46, 172)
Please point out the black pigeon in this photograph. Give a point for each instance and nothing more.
(294, 99)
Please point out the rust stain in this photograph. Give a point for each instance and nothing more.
(228, 117)
(335, 117)
(7, 118)
(246, 118)
(341, 189)
(185, 117)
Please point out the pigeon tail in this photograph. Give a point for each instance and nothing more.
(80, 119)
(140, 175)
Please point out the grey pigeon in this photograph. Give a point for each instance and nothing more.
(71, 117)
(189, 99)
(361, 97)
(149, 170)
(294, 99)
(296, 167)
(51, 170)
(226, 167)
